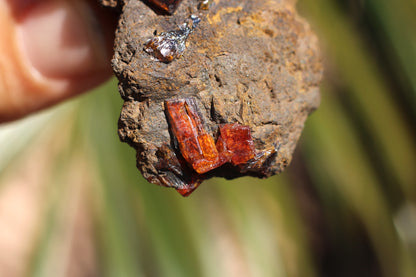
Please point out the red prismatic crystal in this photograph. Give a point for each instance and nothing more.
(196, 145)
(235, 143)
(165, 6)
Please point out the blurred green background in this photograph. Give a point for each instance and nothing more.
(72, 202)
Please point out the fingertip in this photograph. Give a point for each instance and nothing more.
(61, 50)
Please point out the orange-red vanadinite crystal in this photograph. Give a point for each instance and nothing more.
(234, 144)
(196, 145)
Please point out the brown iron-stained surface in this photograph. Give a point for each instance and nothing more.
(250, 62)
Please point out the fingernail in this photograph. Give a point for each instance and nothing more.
(59, 39)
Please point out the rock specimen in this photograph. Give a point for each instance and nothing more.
(233, 103)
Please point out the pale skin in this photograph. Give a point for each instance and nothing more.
(51, 50)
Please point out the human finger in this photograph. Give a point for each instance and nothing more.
(51, 50)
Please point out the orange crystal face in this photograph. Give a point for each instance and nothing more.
(196, 145)
(234, 145)
(164, 6)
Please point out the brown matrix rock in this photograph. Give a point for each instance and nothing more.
(251, 63)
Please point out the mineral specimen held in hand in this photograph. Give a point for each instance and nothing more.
(245, 85)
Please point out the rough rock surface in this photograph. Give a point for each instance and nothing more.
(252, 62)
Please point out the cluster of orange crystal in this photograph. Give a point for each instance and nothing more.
(234, 144)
